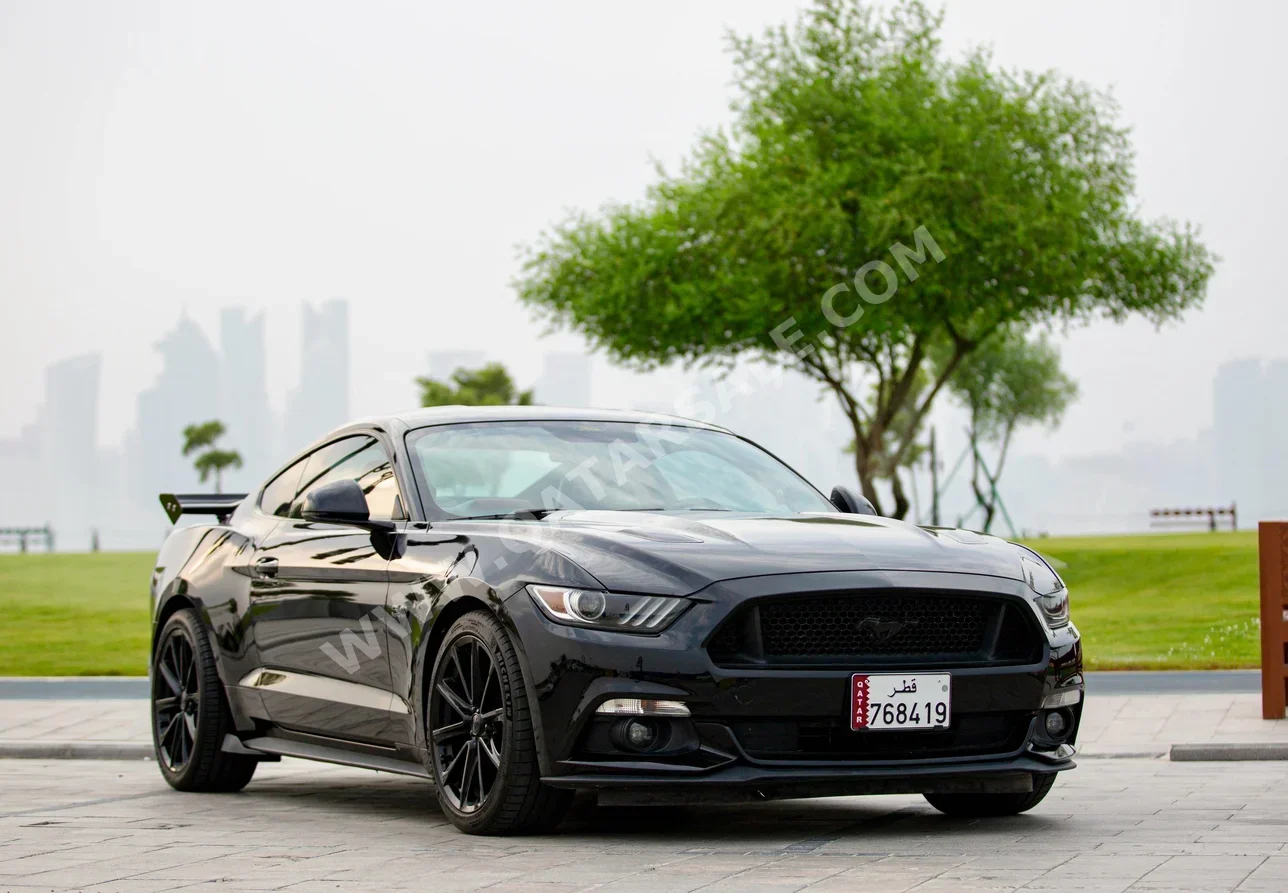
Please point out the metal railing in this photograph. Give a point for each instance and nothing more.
(1189, 517)
(23, 535)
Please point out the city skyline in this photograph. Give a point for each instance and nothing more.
(151, 178)
(112, 488)
(62, 475)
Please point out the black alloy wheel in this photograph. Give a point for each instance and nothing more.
(190, 715)
(479, 730)
(176, 700)
(468, 723)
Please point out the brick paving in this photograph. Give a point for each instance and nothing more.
(1144, 723)
(1110, 825)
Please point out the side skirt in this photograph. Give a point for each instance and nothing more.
(339, 756)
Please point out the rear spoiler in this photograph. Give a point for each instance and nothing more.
(219, 504)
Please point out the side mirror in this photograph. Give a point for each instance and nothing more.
(850, 502)
(340, 502)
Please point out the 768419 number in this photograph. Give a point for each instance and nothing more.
(900, 701)
(902, 714)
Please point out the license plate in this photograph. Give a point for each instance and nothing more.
(897, 701)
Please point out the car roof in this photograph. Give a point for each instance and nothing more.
(448, 415)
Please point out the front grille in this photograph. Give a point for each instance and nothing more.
(878, 628)
(889, 625)
(971, 734)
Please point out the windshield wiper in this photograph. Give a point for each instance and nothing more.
(661, 508)
(518, 515)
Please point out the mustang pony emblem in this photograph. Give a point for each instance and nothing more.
(885, 630)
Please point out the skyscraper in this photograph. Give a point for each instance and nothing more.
(69, 439)
(243, 397)
(565, 380)
(186, 392)
(321, 400)
(49, 470)
(1241, 430)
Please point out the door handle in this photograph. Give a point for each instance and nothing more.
(266, 567)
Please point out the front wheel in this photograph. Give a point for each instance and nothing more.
(483, 754)
(988, 805)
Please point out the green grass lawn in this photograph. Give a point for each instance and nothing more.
(74, 615)
(1167, 601)
(1163, 601)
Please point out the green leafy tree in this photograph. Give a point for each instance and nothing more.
(1008, 382)
(200, 438)
(786, 237)
(490, 385)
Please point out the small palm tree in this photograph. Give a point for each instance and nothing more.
(202, 436)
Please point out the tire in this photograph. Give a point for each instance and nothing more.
(478, 723)
(190, 713)
(990, 805)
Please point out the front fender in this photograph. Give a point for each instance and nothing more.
(438, 577)
(460, 597)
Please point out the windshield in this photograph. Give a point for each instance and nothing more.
(499, 468)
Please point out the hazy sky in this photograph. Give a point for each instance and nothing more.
(161, 157)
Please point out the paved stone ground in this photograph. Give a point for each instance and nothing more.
(1151, 723)
(1110, 825)
(1112, 724)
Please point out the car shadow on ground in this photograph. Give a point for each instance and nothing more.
(808, 823)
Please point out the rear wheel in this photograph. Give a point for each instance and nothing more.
(190, 712)
(987, 805)
(483, 753)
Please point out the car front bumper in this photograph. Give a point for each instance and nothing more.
(768, 732)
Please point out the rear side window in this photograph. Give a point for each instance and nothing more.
(282, 490)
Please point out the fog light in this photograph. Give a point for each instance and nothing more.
(1056, 724)
(641, 735)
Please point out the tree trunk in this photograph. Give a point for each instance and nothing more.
(867, 483)
(980, 499)
(900, 499)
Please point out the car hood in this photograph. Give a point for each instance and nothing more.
(682, 552)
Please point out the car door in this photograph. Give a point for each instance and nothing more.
(318, 603)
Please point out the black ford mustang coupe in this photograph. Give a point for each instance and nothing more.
(522, 602)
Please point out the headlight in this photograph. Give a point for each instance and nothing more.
(593, 609)
(1053, 597)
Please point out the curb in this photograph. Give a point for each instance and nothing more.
(75, 750)
(1270, 750)
(1122, 755)
(25, 688)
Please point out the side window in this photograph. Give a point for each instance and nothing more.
(282, 490)
(360, 459)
